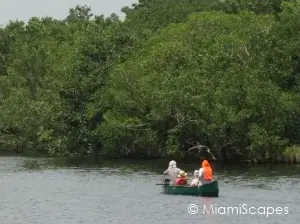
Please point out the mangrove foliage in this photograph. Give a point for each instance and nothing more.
(171, 75)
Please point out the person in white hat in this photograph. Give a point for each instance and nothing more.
(195, 180)
(172, 172)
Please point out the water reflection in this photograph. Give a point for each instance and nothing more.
(79, 191)
(271, 178)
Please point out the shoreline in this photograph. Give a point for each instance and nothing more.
(279, 160)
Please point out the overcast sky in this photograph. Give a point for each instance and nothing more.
(25, 9)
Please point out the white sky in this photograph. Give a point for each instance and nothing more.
(59, 9)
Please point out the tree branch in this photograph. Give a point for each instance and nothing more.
(200, 148)
(138, 126)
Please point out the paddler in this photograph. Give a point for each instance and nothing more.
(172, 172)
(205, 173)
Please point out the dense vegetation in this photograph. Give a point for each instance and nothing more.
(225, 74)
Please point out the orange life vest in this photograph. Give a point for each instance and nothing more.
(207, 171)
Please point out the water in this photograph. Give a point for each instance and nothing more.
(37, 191)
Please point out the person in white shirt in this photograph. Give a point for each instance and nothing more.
(195, 180)
(172, 172)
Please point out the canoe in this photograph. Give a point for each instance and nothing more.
(207, 190)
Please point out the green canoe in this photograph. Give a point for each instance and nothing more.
(207, 190)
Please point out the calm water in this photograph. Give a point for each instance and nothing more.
(38, 191)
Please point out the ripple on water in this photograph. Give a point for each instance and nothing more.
(123, 195)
